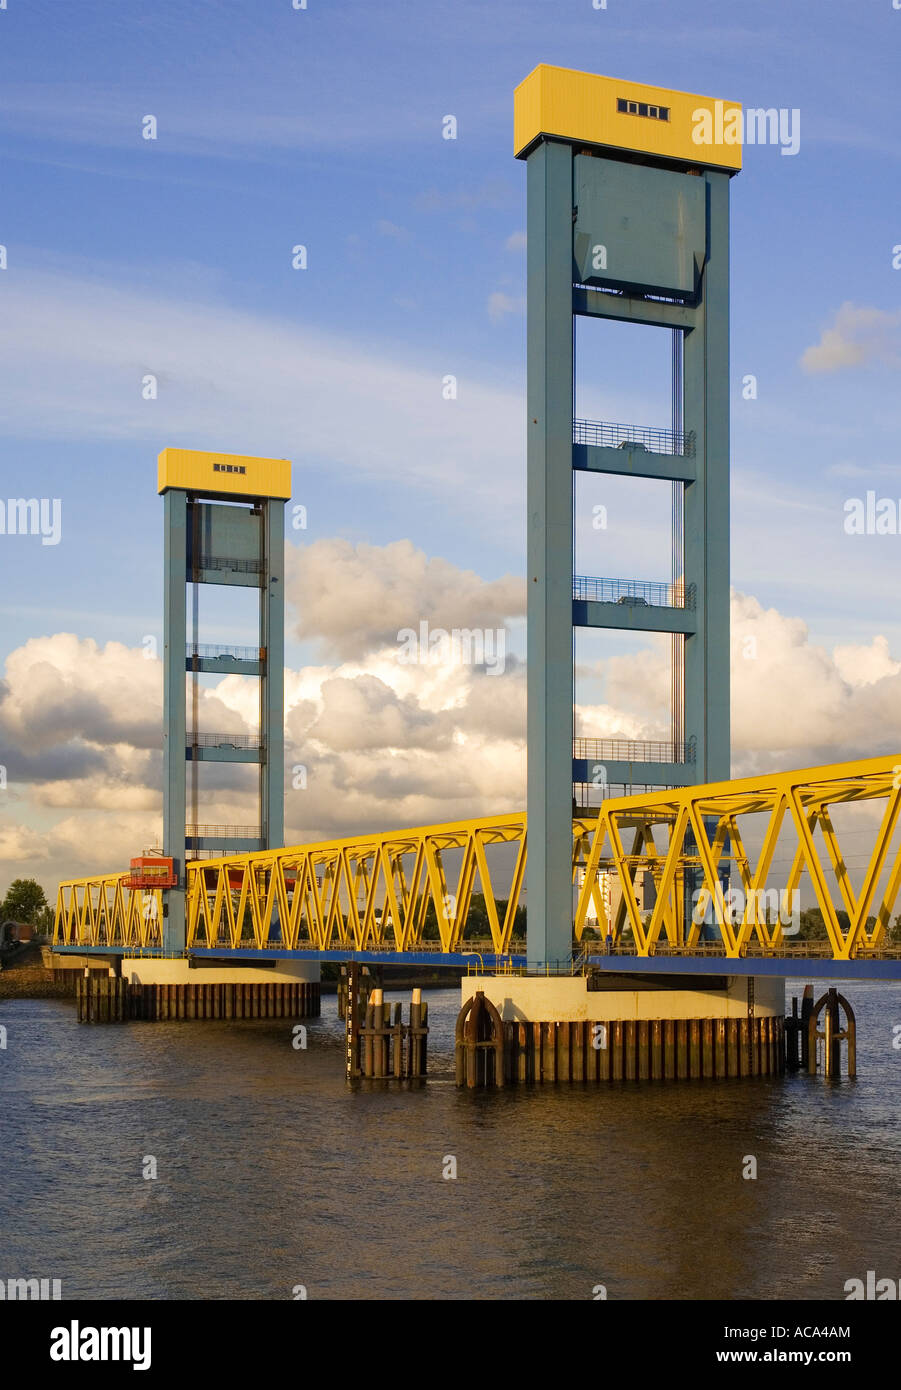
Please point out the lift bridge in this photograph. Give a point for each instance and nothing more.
(371, 897)
(628, 222)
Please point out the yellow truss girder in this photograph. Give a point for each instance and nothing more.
(375, 891)
(101, 911)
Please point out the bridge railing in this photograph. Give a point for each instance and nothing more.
(635, 751)
(610, 435)
(196, 740)
(223, 651)
(649, 593)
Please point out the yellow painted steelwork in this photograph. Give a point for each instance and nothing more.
(374, 891)
(102, 911)
(365, 892)
(669, 833)
(235, 474)
(585, 108)
(370, 891)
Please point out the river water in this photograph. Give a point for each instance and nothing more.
(273, 1173)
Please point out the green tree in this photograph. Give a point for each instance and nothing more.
(25, 902)
(812, 926)
(478, 925)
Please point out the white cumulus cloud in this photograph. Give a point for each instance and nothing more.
(385, 744)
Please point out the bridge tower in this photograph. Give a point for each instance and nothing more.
(628, 219)
(224, 524)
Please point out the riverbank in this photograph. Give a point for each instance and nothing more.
(23, 976)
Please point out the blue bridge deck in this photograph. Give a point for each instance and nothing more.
(794, 965)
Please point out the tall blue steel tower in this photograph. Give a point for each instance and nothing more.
(224, 525)
(628, 220)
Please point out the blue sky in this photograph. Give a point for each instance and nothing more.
(323, 127)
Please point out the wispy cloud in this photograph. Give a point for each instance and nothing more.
(391, 229)
(500, 305)
(75, 351)
(858, 336)
(869, 470)
(224, 125)
(494, 193)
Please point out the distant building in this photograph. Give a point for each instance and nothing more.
(612, 894)
(11, 932)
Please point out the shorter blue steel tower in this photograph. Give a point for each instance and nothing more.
(224, 524)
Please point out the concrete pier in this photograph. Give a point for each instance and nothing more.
(551, 1029)
(169, 990)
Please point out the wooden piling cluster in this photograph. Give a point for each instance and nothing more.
(797, 1031)
(101, 998)
(832, 1035)
(490, 1052)
(384, 1046)
(480, 1044)
(108, 999)
(362, 979)
(803, 1033)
